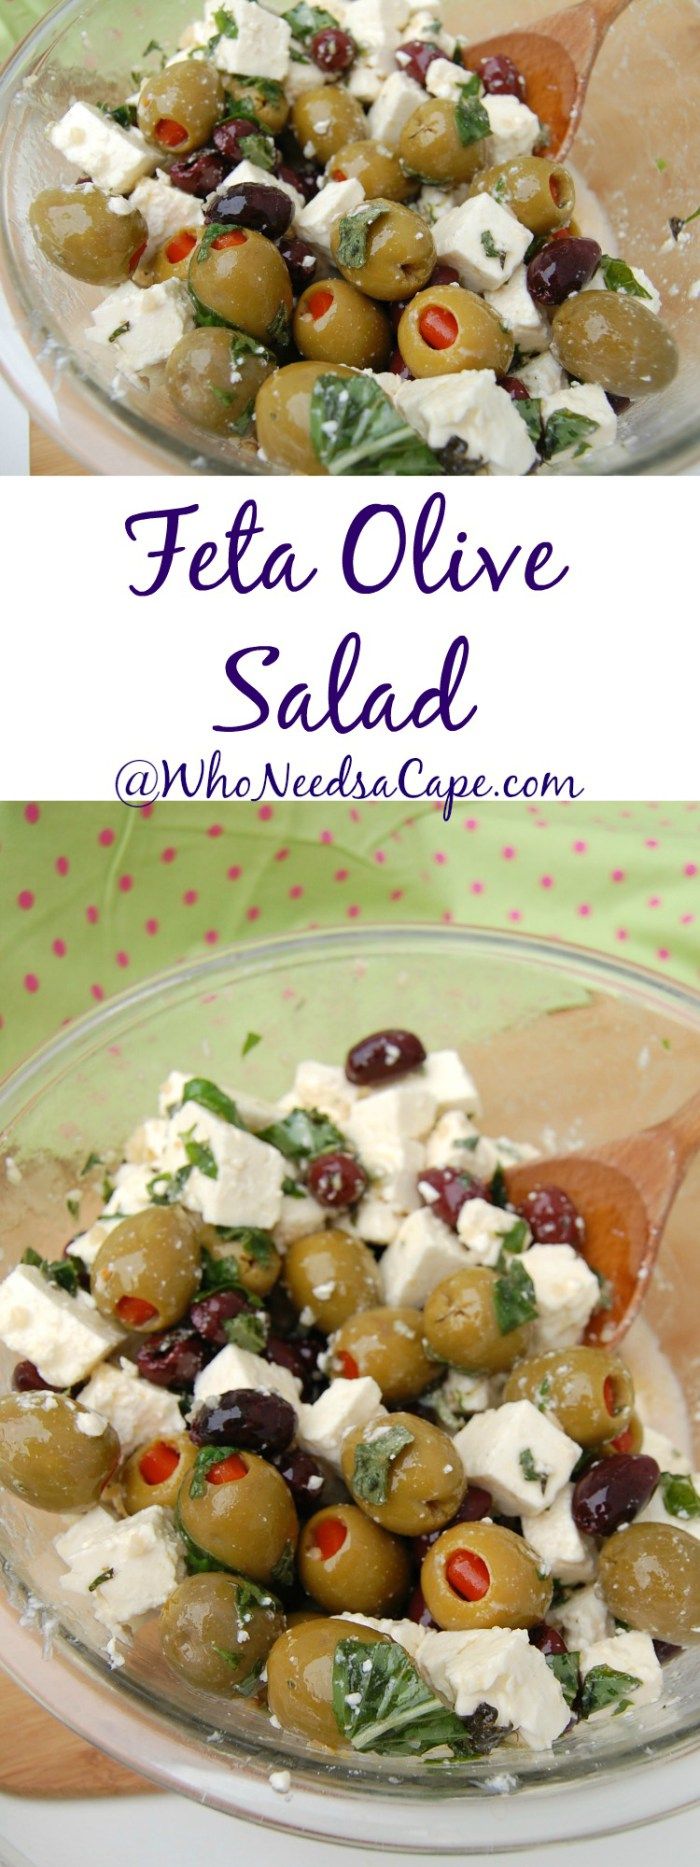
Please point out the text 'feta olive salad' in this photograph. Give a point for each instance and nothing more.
(349, 250)
(314, 1388)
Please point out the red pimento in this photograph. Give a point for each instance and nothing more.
(169, 133)
(234, 237)
(438, 327)
(180, 247)
(329, 1537)
(135, 1311)
(137, 256)
(468, 1574)
(346, 1365)
(227, 1471)
(158, 1463)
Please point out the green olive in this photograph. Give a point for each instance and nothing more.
(331, 1275)
(217, 1630)
(326, 118)
(608, 338)
(408, 1490)
(263, 96)
(589, 1390)
(539, 193)
(235, 1508)
(178, 107)
(334, 323)
(154, 1473)
(172, 259)
(300, 1677)
(446, 328)
(481, 1575)
(461, 1323)
(240, 277)
(398, 251)
(349, 1565)
(78, 230)
(213, 376)
(430, 145)
(283, 415)
(388, 1345)
(649, 1576)
(147, 1271)
(255, 1256)
(49, 1453)
(379, 171)
(631, 1439)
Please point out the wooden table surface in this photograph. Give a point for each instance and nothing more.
(40, 1757)
(46, 457)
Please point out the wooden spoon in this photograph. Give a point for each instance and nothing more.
(624, 1191)
(556, 56)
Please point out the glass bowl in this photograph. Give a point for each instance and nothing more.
(635, 149)
(568, 1049)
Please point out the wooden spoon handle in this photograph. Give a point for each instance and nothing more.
(683, 1129)
(606, 11)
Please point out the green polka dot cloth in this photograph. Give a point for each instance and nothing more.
(95, 897)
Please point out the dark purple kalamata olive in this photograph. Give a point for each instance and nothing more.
(476, 1503)
(415, 57)
(230, 136)
(399, 368)
(620, 404)
(200, 173)
(300, 261)
(612, 1492)
(665, 1651)
(332, 49)
(264, 208)
(500, 77)
(210, 1314)
(284, 1318)
(547, 1639)
(26, 1379)
(246, 1418)
(304, 1477)
(443, 274)
(514, 388)
(552, 1217)
(445, 1191)
(383, 1056)
(300, 1358)
(417, 1610)
(563, 266)
(336, 1179)
(173, 1359)
(302, 174)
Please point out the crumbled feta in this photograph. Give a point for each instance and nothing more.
(459, 1396)
(246, 1188)
(582, 1618)
(131, 1192)
(583, 399)
(115, 159)
(449, 1081)
(521, 1457)
(261, 45)
(452, 1142)
(407, 1634)
(87, 1244)
(91, 1425)
(567, 1292)
(146, 1146)
(166, 211)
(316, 220)
(321, 1086)
(140, 1558)
(63, 1335)
(517, 310)
(377, 26)
(553, 1535)
(344, 1407)
(470, 407)
(376, 1221)
(542, 375)
(483, 1228)
(483, 240)
(433, 202)
(626, 1653)
(136, 1409)
(652, 298)
(381, 1123)
(514, 129)
(237, 1367)
(142, 325)
(444, 79)
(398, 98)
(497, 1666)
(422, 1254)
(298, 1217)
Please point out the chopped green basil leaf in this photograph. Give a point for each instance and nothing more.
(248, 1331)
(249, 1042)
(373, 1461)
(225, 24)
(199, 1155)
(514, 1242)
(208, 1095)
(260, 149)
(530, 1470)
(293, 1189)
(206, 1457)
(106, 1576)
(278, 328)
(619, 277)
(471, 117)
(119, 332)
(306, 21)
(565, 1669)
(254, 1242)
(165, 1188)
(283, 1572)
(514, 1297)
(530, 411)
(353, 233)
(498, 1188)
(93, 1160)
(564, 429)
(302, 1134)
(491, 250)
(355, 429)
(679, 1495)
(381, 1703)
(678, 222)
(123, 114)
(220, 1273)
(604, 1686)
(73, 1204)
(63, 1272)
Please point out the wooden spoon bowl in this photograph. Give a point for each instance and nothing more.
(556, 56)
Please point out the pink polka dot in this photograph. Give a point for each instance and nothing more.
(61, 865)
(355, 816)
(326, 836)
(122, 958)
(169, 854)
(265, 813)
(617, 875)
(341, 875)
(189, 897)
(470, 823)
(447, 916)
(151, 926)
(281, 855)
(687, 920)
(546, 881)
(380, 855)
(215, 829)
(32, 813)
(234, 874)
(654, 901)
(621, 933)
(31, 983)
(440, 857)
(663, 952)
(579, 849)
(252, 914)
(125, 884)
(146, 811)
(25, 898)
(296, 892)
(514, 914)
(59, 948)
(477, 888)
(353, 911)
(651, 842)
(97, 992)
(584, 910)
(92, 915)
(106, 839)
(211, 936)
(690, 868)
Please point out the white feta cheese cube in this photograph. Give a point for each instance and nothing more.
(607, 279)
(136, 1409)
(483, 240)
(444, 79)
(377, 26)
(322, 1086)
(131, 1191)
(364, 81)
(423, 1253)
(666, 1494)
(452, 1142)
(345, 1407)
(249, 172)
(87, 1244)
(302, 76)
(407, 1634)
(146, 1146)
(376, 1221)
(668, 1457)
(582, 1619)
(459, 1396)
(260, 46)
(236, 1367)
(561, 1549)
(381, 1122)
(316, 220)
(542, 375)
(63, 1335)
(398, 99)
(433, 202)
(587, 400)
(497, 1666)
(141, 1559)
(246, 1188)
(256, 1113)
(484, 1228)
(517, 310)
(298, 1217)
(142, 324)
(566, 1290)
(470, 407)
(115, 159)
(625, 1653)
(514, 129)
(166, 211)
(449, 1081)
(520, 1456)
